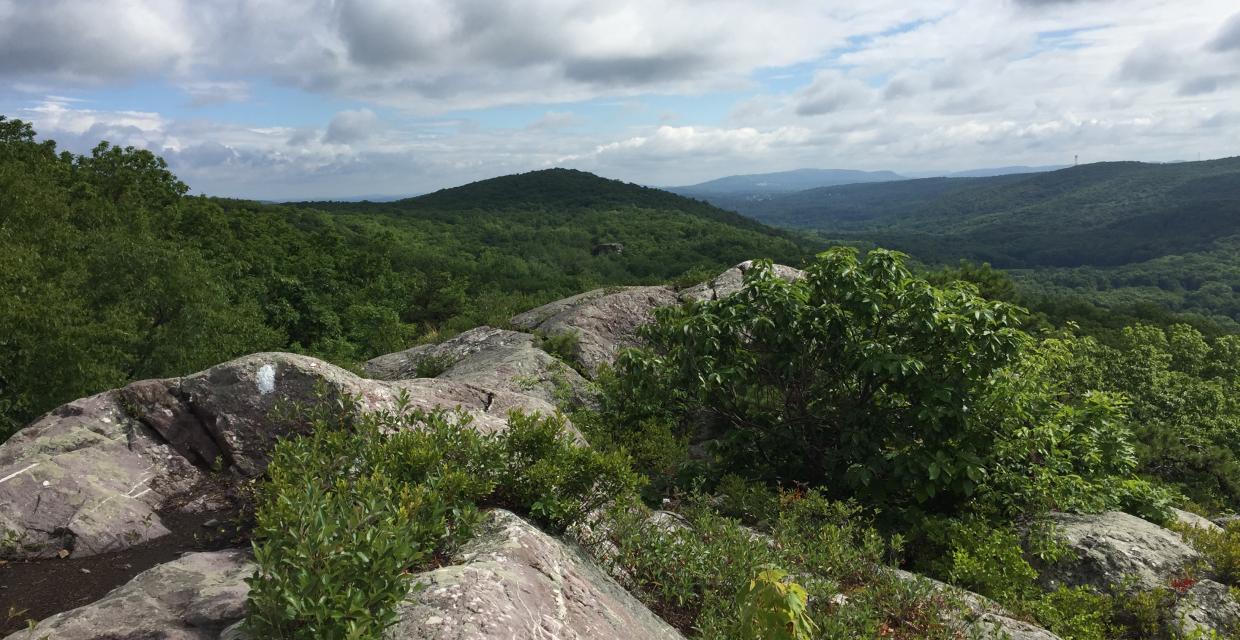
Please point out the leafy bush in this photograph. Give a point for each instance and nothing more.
(693, 572)
(1220, 548)
(561, 345)
(985, 559)
(773, 607)
(357, 505)
(866, 379)
(1076, 613)
(431, 366)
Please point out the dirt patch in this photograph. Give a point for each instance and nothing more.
(36, 589)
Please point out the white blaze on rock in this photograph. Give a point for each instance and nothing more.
(266, 379)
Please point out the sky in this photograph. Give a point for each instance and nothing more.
(303, 99)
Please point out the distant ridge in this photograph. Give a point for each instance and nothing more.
(784, 181)
(1101, 214)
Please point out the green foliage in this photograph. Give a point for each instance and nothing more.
(869, 381)
(561, 345)
(984, 558)
(110, 273)
(431, 366)
(1220, 548)
(773, 607)
(1183, 394)
(1076, 613)
(693, 572)
(359, 503)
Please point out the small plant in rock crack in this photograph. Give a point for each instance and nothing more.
(432, 366)
(561, 345)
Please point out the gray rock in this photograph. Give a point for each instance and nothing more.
(88, 478)
(1194, 520)
(491, 358)
(1109, 548)
(516, 582)
(604, 320)
(1227, 520)
(1208, 606)
(92, 475)
(192, 598)
(984, 619)
(732, 280)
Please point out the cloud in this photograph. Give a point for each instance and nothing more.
(348, 127)
(1228, 38)
(829, 92)
(1206, 84)
(888, 84)
(90, 41)
(205, 92)
(1148, 64)
(554, 120)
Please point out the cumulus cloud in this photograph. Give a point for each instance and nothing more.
(829, 92)
(91, 41)
(348, 127)
(939, 84)
(1228, 38)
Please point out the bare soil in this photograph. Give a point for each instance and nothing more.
(36, 589)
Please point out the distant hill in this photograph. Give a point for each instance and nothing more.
(1003, 171)
(733, 192)
(1101, 214)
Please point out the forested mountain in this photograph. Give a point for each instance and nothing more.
(1103, 243)
(109, 272)
(1098, 214)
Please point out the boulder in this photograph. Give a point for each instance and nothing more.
(983, 618)
(516, 582)
(1106, 549)
(93, 475)
(605, 321)
(192, 598)
(1194, 520)
(1227, 520)
(732, 280)
(492, 358)
(1207, 607)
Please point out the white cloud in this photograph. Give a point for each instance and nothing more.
(348, 127)
(888, 84)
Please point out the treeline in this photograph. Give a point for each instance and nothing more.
(109, 272)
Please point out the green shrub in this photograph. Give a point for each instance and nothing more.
(693, 573)
(1076, 613)
(354, 507)
(773, 607)
(431, 366)
(984, 558)
(561, 345)
(866, 379)
(1220, 548)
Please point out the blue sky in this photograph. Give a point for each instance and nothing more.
(287, 99)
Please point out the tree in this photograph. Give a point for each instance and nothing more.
(871, 382)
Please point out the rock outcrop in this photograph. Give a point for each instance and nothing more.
(984, 618)
(1115, 550)
(605, 321)
(491, 358)
(514, 581)
(1194, 520)
(1108, 549)
(93, 475)
(732, 280)
(192, 598)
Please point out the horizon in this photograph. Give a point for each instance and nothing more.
(340, 99)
